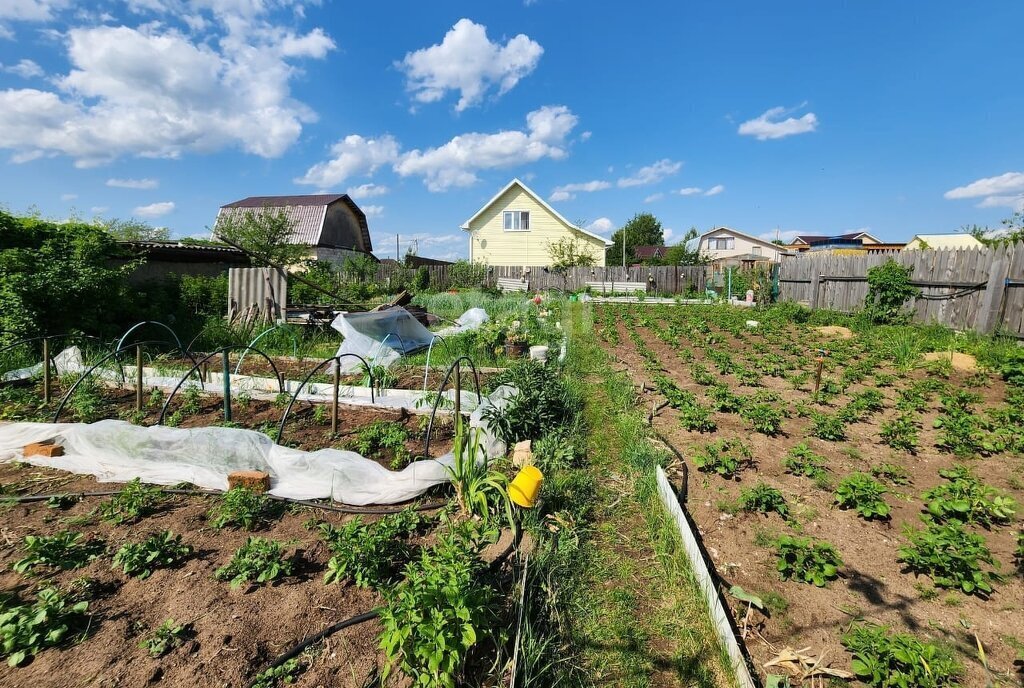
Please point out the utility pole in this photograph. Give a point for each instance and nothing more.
(398, 257)
(623, 248)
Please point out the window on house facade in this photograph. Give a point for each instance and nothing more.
(756, 250)
(517, 220)
(722, 244)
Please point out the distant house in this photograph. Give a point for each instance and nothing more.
(332, 225)
(851, 242)
(517, 227)
(959, 240)
(643, 253)
(726, 247)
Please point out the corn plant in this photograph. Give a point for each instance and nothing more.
(157, 551)
(951, 557)
(169, 635)
(806, 561)
(724, 457)
(240, 507)
(764, 499)
(25, 629)
(134, 501)
(965, 499)
(65, 550)
(863, 493)
(257, 561)
(883, 659)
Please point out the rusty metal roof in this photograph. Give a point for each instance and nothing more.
(306, 213)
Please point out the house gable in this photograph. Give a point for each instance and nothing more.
(319, 220)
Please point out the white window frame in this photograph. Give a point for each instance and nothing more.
(730, 243)
(512, 220)
(756, 250)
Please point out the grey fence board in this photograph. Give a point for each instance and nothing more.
(257, 293)
(842, 284)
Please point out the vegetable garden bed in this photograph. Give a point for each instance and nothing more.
(840, 510)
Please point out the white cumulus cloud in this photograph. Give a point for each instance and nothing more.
(470, 63)
(26, 69)
(367, 190)
(133, 183)
(68, 197)
(1002, 191)
(372, 210)
(770, 125)
(715, 190)
(352, 156)
(153, 91)
(154, 209)
(31, 10)
(568, 191)
(601, 225)
(690, 191)
(654, 197)
(786, 235)
(651, 174)
(455, 163)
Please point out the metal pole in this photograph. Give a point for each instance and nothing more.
(226, 364)
(458, 395)
(334, 398)
(46, 370)
(138, 377)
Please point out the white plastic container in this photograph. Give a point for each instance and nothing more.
(539, 353)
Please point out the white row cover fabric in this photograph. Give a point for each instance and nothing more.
(117, 451)
(382, 337)
(67, 361)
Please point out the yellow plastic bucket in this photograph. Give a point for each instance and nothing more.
(525, 487)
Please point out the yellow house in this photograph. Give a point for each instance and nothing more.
(517, 227)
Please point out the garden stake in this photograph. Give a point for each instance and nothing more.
(225, 361)
(458, 391)
(821, 364)
(46, 370)
(138, 378)
(334, 397)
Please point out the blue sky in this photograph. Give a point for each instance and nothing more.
(798, 117)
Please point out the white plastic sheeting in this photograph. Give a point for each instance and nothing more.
(67, 361)
(116, 451)
(382, 337)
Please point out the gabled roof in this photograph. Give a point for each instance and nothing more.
(646, 252)
(812, 238)
(957, 240)
(307, 213)
(541, 202)
(738, 233)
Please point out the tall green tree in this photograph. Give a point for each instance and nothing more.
(135, 230)
(644, 229)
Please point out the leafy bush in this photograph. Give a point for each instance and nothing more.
(541, 405)
(157, 551)
(862, 492)
(901, 433)
(965, 499)
(258, 560)
(134, 501)
(27, 629)
(370, 554)
(889, 289)
(65, 550)
(883, 659)
(803, 560)
(802, 461)
(240, 507)
(438, 613)
(951, 557)
(764, 499)
(725, 457)
(168, 636)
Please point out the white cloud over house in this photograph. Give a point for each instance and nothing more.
(1002, 191)
(651, 174)
(601, 225)
(468, 62)
(352, 156)
(568, 191)
(154, 209)
(773, 124)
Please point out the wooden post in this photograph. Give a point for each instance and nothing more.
(46, 370)
(992, 299)
(138, 378)
(815, 281)
(817, 376)
(226, 364)
(334, 398)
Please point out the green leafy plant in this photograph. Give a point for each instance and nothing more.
(240, 507)
(65, 550)
(257, 561)
(889, 288)
(161, 550)
(541, 405)
(191, 401)
(725, 400)
(383, 437)
(287, 672)
(901, 433)
(169, 635)
(883, 659)
(701, 375)
(764, 499)
(62, 501)
(370, 554)
(828, 426)
(951, 557)
(441, 610)
(806, 561)
(765, 418)
(1018, 552)
(965, 499)
(724, 457)
(863, 493)
(479, 491)
(892, 473)
(801, 460)
(134, 501)
(25, 629)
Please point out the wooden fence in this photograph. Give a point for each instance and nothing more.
(979, 288)
(659, 278)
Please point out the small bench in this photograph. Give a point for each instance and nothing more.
(513, 284)
(617, 287)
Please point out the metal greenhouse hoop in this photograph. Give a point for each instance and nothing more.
(454, 367)
(334, 405)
